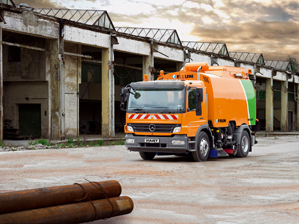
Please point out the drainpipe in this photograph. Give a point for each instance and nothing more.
(187, 56)
(254, 75)
(113, 41)
(62, 80)
(1, 86)
(151, 67)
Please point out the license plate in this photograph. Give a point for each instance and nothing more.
(150, 140)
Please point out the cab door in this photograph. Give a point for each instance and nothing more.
(196, 111)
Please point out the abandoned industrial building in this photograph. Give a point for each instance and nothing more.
(62, 70)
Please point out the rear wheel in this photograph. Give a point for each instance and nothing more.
(244, 145)
(147, 155)
(203, 148)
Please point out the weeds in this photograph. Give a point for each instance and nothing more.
(100, 142)
(40, 141)
(2, 144)
(70, 141)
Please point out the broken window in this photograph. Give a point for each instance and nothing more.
(14, 54)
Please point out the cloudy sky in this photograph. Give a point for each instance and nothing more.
(270, 27)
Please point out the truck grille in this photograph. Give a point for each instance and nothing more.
(161, 128)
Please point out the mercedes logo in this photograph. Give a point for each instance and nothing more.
(152, 127)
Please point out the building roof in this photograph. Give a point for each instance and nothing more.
(8, 2)
(98, 18)
(160, 35)
(280, 65)
(216, 48)
(248, 57)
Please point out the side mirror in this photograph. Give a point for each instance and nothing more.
(199, 95)
(137, 95)
(124, 95)
(123, 106)
(199, 100)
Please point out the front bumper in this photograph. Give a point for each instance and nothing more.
(164, 146)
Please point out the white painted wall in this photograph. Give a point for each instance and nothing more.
(132, 46)
(200, 58)
(266, 73)
(28, 23)
(280, 76)
(173, 54)
(222, 61)
(86, 37)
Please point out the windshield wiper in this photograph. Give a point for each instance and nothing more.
(139, 109)
(165, 111)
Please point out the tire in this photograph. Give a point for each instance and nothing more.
(147, 155)
(244, 145)
(203, 148)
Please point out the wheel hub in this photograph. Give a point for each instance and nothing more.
(204, 147)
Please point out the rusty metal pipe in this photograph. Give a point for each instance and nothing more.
(73, 213)
(60, 195)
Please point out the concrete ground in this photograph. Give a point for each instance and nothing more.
(261, 188)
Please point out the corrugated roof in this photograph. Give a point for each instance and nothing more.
(216, 48)
(8, 2)
(98, 18)
(280, 65)
(248, 57)
(160, 35)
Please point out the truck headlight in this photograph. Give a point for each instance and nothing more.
(130, 141)
(177, 142)
(130, 128)
(176, 129)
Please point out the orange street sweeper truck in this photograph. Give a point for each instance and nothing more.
(201, 110)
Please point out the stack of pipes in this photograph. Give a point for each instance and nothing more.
(75, 203)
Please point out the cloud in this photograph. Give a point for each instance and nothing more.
(270, 27)
(38, 3)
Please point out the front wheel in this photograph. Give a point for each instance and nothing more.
(203, 148)
(244, 145)
(147, 155)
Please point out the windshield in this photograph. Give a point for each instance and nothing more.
(157, 101)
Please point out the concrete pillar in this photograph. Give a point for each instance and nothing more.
(284, 106)
(147, 66)
(269, 105)
(54, 87)
(297, 102)
(108, 120)
(72, 80)
(1, 86)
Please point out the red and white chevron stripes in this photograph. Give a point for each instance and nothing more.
(153, 116)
